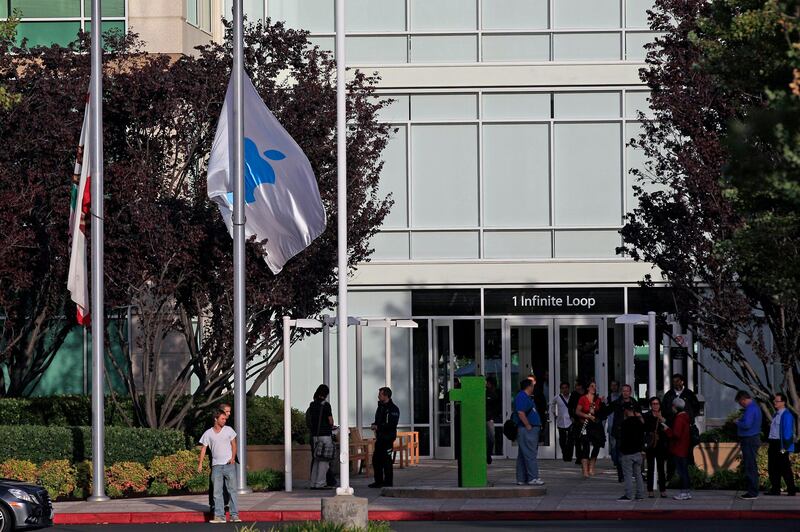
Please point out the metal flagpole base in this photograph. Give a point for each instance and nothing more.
(344, 491)
(244, 491)
(98, 498)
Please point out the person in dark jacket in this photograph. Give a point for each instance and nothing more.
(656, 453)
(631, 445)
(781, 444)
(679, 440)
(679, 390)
(385, 427)
(320, 425)
(615, 410)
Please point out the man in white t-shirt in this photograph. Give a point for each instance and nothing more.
(222, 441)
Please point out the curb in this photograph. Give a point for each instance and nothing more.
(119, 518)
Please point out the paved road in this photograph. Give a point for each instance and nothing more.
(501, 526)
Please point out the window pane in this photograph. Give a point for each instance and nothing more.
(191, 12)
(444, 245)
(587, 244)
(444, 48)
(514, 14)
(111, 8)
(315, 16)
(586, 46)
(516, 47)
(396, 111)
(326, 44)
(516, 167)
(47, 33)
(636, 101)
(587, 104)
(443, 15)
(510, 106)
(444, 169)
(588, 173)
(109, 25)
(375, 15)
(636, 160)
(586, 13)
(385, 50)
(444, 106)
(394, 179)
(636, 13)
(390, 246)
(517, 245)
(47, 8)
(253, 10)
(634, 45)
(3, 9)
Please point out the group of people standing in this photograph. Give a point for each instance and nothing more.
(319, 419)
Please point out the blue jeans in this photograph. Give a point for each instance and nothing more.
(682, 468)
(227, 474)
(527, 454)
(750, 445)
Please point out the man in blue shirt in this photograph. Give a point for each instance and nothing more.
(748, 429)
(529, 425)
(781, 444)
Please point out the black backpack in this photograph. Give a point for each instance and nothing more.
(510, 429)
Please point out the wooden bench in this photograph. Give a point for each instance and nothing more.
(361, 450)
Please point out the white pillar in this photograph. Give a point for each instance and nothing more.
(667, 363)
(387, 338)
(326, 351)
(359, 376)
(287, 405)
(690, 361)
(652, 354)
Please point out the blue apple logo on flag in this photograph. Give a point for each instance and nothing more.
(257, 171)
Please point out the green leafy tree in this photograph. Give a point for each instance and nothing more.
(721, 224)
(8, 32)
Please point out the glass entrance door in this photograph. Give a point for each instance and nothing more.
(443, 375)
(580, 355)
(528, 350)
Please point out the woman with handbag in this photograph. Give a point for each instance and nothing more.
(656, 443)
(319, 418)
(590, 432)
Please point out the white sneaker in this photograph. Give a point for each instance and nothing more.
(520, 483)
(536, 482)
(682, 497)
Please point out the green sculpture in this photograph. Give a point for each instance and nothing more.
(472, 457)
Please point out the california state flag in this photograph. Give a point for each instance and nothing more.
(80, 195)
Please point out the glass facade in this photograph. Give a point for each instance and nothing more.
(508, 175)
(46, 22)
(468, 31)
(198, 13)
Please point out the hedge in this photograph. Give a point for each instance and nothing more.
(264, 427)
(40, 444)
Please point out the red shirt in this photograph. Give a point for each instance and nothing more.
(585, 405)
(679, 436)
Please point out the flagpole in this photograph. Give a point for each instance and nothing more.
(97, 308)
(239, 309)
(341, 233)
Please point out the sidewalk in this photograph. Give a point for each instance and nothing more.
(568, 497)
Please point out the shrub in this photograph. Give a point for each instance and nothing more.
(698, 479)
(176, 469)
(34, 443)
(158, 489)
(124, 444)
(127, 477)
(83, 478)
(58, 476)
(727, 480)
(268, 480)
(23, 470)
(198, 483)
(61, 410)
(265, 422)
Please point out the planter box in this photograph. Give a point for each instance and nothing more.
(713, 457)
(260, 457)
